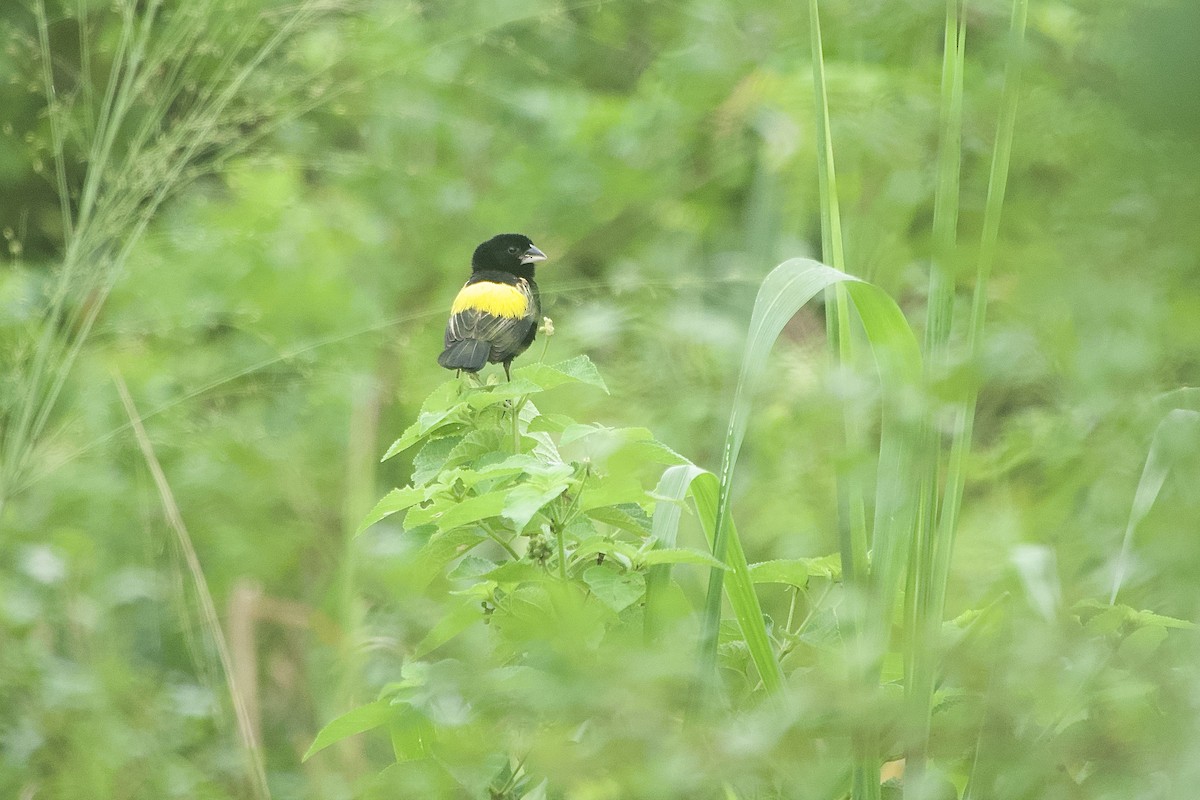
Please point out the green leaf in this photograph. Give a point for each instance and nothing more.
(439, 551)
(361, 719)
(473, 509)
(526, 499)
(471, 567)
(626, 516)
(617, 590)
(1139, 646)
(797, 571)
(430, 459)
(412, 734)
(458, 619)
(680, 555)
(1178, 426)
(676, 484)
(1150, 618)
(476, 445)
(393, 501)
(579, 369)
(427, 422)
(516, 572)
(502, 393)
(611, 489)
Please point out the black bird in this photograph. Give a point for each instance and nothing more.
(495, 315)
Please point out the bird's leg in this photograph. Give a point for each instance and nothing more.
(507, 372)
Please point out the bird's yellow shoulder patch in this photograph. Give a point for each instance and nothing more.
(498, 299)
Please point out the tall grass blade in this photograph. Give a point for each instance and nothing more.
(676, 485)
(142, 144)
(251, 751)
(1180, 428)
(852, 525)
(784, 292)
(938, 542)
(920, 623)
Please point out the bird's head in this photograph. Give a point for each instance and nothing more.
(508, 252)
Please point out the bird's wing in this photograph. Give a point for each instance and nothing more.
(495, 312)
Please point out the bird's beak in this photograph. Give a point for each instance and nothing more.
(533, 255)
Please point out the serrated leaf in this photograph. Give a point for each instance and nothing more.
(471, 567)
(460, 617)
(472, 509)
(353, 722)
(525, 500)
(626, 516)
(502, 393)
(442, 548)
(617, 590)
(430, 459)
(475, 445)
(516, 572)
(544, 482)
(577, 431)
(550, 423)
(680, 555)
(393, 501)
(1150, 618)
(796, 571)
(611, 489)
(579, 369)
(427, 422)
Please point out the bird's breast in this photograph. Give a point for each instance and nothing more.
(497, 299)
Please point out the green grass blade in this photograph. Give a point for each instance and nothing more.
(831, 218)
(941, 544)
(852, 526)
(784, 291)
(676, 484)
(1179, 429)
(920, 622)
(946, 197)
(997, 186)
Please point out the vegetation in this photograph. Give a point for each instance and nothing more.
(885, 490)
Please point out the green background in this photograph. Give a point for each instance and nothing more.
(278, 320)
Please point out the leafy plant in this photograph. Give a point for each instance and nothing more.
(544, 527)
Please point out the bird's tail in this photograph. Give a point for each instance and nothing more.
(468, 355)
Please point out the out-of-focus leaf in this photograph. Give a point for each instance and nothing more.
(393, 501)
(361, 719)
(680, 555)
(1140, 645)
(617, 590)
(457, 619)
(412, 734)
(626, 516)
(797, 571)
(579, 369)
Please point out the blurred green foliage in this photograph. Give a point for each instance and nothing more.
(278, 320)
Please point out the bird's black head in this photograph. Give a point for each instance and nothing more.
(508, 252)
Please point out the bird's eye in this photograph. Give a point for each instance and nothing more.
(512, 250)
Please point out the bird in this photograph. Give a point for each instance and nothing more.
(494, 317)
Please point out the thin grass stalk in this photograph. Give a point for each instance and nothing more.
(251, 751)
(964, 415)
(852, 529)
(852, 526)
(921, 620)
(147, 175)
(997, 187)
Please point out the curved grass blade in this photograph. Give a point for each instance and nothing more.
(1178, 426)
(784, 291)
(673, 489)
